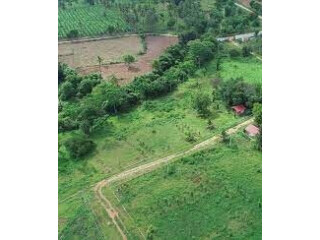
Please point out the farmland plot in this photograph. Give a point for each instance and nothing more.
(83, 54)
(90, 21)
(156, 45)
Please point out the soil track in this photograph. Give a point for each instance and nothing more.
(156, 45)
(143, 169)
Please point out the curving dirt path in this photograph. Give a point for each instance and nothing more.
(148, 167)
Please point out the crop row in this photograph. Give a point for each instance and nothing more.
(89, 21)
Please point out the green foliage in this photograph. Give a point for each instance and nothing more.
(248, 68)
(79, 147)
(63, 72)
(255, 45)
(82, 224)
(171, 22)
(257, 113)
(191, 137)
(129, 59)
(67, 91)
(90, 21)
(73, 34)
(187, 36)
(201, 102)
(246, 51)
(237, 91)
(234, 53)
(201, 51)
(150, 233)
(74, 85)
(158, 127)
(218, 189)
(66, 124)
(87, 84)
(256, 6)
(111, 17)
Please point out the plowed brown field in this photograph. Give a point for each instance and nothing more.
(83, 55)
(156, 46)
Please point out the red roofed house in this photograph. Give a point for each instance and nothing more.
(239, 109)
(252, 130)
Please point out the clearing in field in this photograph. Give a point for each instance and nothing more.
(153, 130)
(213, 194)
(82, 54)
(155, 47)
(249, 68)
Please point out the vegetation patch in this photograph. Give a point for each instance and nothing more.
(248, 68)
(217, 189)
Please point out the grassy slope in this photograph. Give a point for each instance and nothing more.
(248, 68)
(214, 194)
(154, 129)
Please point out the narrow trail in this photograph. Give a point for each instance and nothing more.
(148, 167)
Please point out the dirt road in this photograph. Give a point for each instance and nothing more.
(148, 167)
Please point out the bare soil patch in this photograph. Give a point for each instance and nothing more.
(156, 45)
(85, 53)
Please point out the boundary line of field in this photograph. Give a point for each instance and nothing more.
(148, 167)
(92, 39)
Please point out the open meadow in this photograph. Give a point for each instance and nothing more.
(212, 194)
(250, 69)
(146, 91)
(154, 129)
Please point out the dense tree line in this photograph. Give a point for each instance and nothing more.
(84, 101)
(257, 112)
(237, 91)
(71, 85)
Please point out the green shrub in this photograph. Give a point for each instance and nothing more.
(73, 34)
(79, 147)
(234, 53)
(67, 91)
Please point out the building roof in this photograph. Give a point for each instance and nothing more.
(239, 109)
(252, 130)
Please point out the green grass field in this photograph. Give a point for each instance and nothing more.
(213, 194)
(248, 68)
(154, 129)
